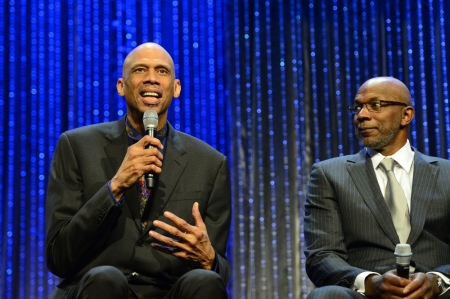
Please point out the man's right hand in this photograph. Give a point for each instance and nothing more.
(138, 161)
(388, 285)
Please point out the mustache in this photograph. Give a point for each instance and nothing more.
(364, 127)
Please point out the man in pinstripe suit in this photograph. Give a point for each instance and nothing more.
(350, 235)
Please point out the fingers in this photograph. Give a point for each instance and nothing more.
(137, 161)
(198, 217)
(165, 249)
(167, 244)
(151, 161)
(180, 229)
(421, 286)
(181, 239)
(150, 141)
(182, 225)
(186, 242)
(145, 148)
(382, 286)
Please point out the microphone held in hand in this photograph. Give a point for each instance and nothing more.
(403, 256)
(150, 121)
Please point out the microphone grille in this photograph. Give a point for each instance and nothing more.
(403, 249)
(403, 254)
(150, 119)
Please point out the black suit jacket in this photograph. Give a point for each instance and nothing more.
(85, 229)
(349, 229)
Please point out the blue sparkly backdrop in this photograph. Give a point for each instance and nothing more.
(264, 82)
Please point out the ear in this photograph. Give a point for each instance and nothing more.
(408, 115)
(176, 88)
(120, 87)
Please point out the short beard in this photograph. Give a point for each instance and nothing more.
(386, 137)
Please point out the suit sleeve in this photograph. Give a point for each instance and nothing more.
(76, 226)
(217, 218)
(326, 253)
(431, 191)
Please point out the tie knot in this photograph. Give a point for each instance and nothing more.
(387, 164)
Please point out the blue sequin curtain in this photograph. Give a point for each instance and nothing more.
(264, 82)
(60, 61)
(297, 65)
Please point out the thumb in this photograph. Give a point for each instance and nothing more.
(198, 217)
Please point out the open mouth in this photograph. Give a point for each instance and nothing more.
(151, 97)
(150, 94)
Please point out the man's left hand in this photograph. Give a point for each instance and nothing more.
(188, 243)
(422, 286)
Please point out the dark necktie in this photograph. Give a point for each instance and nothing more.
(396, 201)
(143, 194)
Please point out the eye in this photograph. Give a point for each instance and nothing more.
(375, 105)
(163, 71)
(139, 70)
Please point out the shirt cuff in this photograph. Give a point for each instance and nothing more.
(445, 279)
(359, 284)
(215, 266)
(115, 202)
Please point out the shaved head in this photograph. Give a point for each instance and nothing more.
(393, 87)
(149, 46)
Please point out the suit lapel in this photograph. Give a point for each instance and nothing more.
(115, 152)
(363, 175)
(173, 167)
(423, 187)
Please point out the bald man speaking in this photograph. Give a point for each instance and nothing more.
(109, 234)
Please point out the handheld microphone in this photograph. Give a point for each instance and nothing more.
(150, 120)
(402, 259)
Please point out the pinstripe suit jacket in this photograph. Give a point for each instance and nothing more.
(348, 226)
(85, 229)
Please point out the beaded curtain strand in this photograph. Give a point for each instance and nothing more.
(444, 77)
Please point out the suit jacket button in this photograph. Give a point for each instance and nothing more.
(141, 243)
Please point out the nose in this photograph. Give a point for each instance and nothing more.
(363, 114)
(151, 77)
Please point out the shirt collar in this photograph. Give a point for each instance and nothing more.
(135, 135)
(404, 157)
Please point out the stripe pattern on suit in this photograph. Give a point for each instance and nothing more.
(348, 227)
